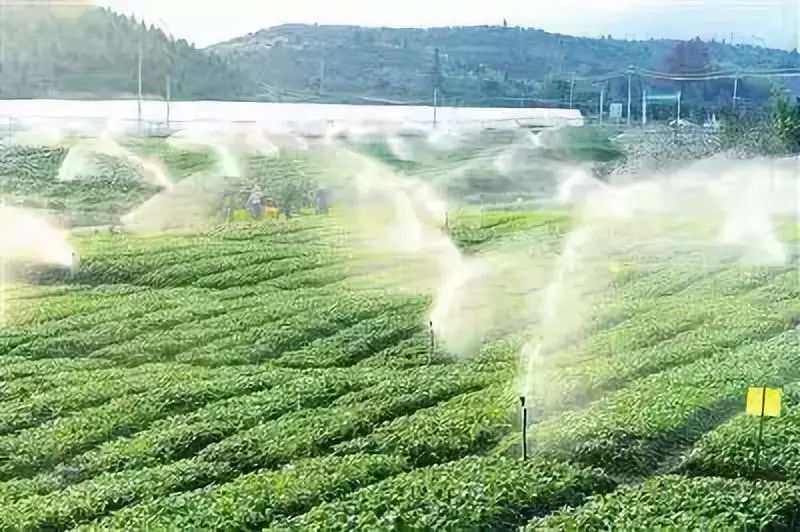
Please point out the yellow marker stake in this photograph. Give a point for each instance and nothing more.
(762, 402)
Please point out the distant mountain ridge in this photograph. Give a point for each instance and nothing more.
(94, 53)
(470, 65)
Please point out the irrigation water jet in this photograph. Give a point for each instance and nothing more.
(710, 209)
(201, 141)
(28, 237)
(82, 161)
(409, 228)
(38, 136)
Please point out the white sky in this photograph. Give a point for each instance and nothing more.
(768, 22)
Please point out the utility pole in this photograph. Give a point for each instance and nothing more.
(571, 89)
(678, 121)
(139, 94)
(735, 90)
(2, 45)
(435, 104)
(644, 106)
(168, 90)
(629, 98)
(321, 75)
(602, 100)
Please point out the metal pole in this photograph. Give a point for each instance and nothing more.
(139, 94)
(571, 90)
(321, 75)
(761, 426)
(524, 427)
(435, 104)
(678, 121)
(602, 100)
(433, 343)
(644, 106)
(169, 90)
(735, 90)
(2, 44)
(629, 100)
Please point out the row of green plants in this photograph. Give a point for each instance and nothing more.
(273, 444)
(371, 394)
(724, 324)
(731, 449)
(110, 338)
(474, 493)
(242, 345)
(256, 499)
(84, 391)
(27, 374)
(467, 424)
(683, 503)
(184, 434)
(28, 451)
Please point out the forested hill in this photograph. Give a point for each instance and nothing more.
(93, 52)
(87, 51)
(472, 65)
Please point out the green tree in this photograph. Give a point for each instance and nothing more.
(786, 122)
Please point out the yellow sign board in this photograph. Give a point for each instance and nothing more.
(763, 401)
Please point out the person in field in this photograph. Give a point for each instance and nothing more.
(228, 203)
(271, 210)
(322, 200)
(254, 202)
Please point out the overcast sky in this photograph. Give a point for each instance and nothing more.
(771, 23)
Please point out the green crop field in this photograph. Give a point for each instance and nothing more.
(252, 376)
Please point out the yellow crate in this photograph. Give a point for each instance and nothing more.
(241, 215)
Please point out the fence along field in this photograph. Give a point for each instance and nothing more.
(273, 375)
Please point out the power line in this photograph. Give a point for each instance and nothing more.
(720, 74)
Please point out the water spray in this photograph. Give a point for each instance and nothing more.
(680, 210)
(28, 237)
(81, 160)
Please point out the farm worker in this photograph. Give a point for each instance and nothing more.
(270, 209)
(254, 202)
(228, 202)
(321, 199)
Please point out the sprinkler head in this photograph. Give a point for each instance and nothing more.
(75, 264)
(522, 401)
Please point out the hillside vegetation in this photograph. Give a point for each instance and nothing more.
(87, 51)
(477, 65)
(91, 52)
